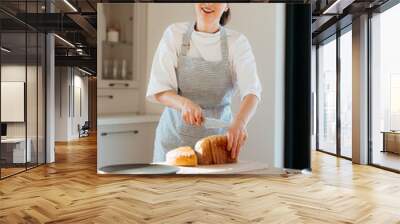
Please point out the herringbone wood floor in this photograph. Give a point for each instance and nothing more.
(70, 191)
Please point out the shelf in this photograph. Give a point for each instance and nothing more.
(109, 77)
(117, 44)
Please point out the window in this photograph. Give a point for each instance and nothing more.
(385, 89)
(346, 94)
(326, 137)
(334, 102)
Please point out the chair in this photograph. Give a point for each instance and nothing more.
(84, 130)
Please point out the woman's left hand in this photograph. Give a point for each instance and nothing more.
(237, 135)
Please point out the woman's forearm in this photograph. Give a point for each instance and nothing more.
(237, 133)
(247, 109)
(171, 99)
(191, 112)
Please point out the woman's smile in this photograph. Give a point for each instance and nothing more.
(207, 10)
(209, 16)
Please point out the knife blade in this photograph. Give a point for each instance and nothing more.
(215, 123)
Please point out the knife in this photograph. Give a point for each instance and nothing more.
(215, 123)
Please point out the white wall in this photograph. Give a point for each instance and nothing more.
(33, 127)
(79, 117)
(17, 73)
(67, 85)
(267, 36)
(61, 103)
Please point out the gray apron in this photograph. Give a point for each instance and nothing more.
(208, 84)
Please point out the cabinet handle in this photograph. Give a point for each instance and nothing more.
(106, 96)
(116, 84)
(119, 132)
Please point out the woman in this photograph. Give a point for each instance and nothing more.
(196, 69)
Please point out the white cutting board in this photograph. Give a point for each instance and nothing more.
(241, 167)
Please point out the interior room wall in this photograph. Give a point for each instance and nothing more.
(62, 80)
(66, 81)
(266, 35)
(33, 126)
(79, 117)
(17, 73)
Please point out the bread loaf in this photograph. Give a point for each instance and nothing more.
(182, 156)
(213, 150)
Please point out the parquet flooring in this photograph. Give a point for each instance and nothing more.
(10, 171)
(70, 191)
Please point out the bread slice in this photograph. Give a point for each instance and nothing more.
(213, 150)
(182, 156)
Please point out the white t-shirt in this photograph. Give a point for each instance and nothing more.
(207, 46)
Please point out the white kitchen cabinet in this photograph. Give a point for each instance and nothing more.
(125, 139)
(112, 101)
(118, 70)
(121, 70)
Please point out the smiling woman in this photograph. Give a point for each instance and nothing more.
(196, 69)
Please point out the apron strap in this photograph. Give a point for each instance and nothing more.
(187, 36)
(186, 39)
(185, 48)
(224, 45)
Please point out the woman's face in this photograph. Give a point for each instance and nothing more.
(210, 13)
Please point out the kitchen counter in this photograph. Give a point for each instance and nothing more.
(241, 167)
(125, 138)
(126, 118)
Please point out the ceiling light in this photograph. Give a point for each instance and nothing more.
(70, 5)
(79, 51)
(65, 41)
(5, 50)
(84, 71)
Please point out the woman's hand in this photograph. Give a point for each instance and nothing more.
(191, 113)
(237, 135)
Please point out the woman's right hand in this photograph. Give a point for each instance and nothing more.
(191, 113)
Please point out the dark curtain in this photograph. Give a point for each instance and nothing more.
(298, 87)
